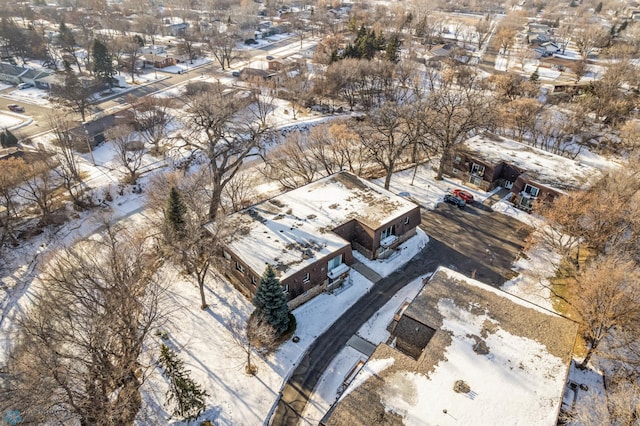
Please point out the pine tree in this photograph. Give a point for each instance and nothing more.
(535, 76)
(393, 47)
(103, 62)
(271, 302)
(175, 211)
(188, 396)
(8, 139)
(598, 8)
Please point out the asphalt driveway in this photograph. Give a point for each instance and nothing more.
(475, 241)
(484, 242)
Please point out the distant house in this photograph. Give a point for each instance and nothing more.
(308, 234)
(487, 161)
(11, 73)
(251, 73)
(538, 33)
(37, 78)
(466, 353)
(175, 26)
(94, 131)
(547, 49)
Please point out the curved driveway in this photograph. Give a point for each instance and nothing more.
(483, 229)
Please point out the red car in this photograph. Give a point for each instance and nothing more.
(465, 195)
(15, 108)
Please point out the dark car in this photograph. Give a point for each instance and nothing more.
(269, 58)
(15, 108)
(465, 195)
(455, 200)
(235, 73)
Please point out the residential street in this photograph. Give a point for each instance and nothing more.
(447, 251)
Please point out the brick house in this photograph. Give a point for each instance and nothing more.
(308, 234)
(487, 161)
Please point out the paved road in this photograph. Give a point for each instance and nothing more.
(481, 226)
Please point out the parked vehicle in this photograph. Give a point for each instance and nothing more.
(25, 86)
(235, 73)
(465, 195)
(15, 108)
(455, 200)
(269, 58)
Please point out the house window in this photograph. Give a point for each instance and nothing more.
(531, 190)
(239, 267)
(285, 288)
(477, 169)
(253, 280)
(306, 278)
(526, 203)
(457, 160)
(388, 232)
(475, 180)
(406, 220)
(335, 262)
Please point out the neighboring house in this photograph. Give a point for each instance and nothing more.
(175, 26)
(251, 73)
(308, 234)
(11, 73)
(538, 33)
(37, 77)
(94, 130)
(487, 161)
(463, 352)
(547, 49)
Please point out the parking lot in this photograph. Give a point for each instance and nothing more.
(476, 240)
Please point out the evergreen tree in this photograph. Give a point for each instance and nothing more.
(187, 395)
(393, 47)
(535, 76)
(175, 211)
(73, 93)
(8, 139)
(271, 302)
(598, 8)
(623, 26)
(103, 62)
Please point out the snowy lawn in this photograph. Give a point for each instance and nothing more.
(8, 121)
(403, 254)
(424, 189)
(31, 95)
(204, 341)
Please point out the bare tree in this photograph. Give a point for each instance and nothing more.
(240, 191)
(384, 136)
(227, 130)
(78, 357)
(11, 172)
(223, 48)
(256, 336)
(129, 150)
(152, 118)
(606, 296)
(290, 162)
(452, 116)
(337, 147)
(38, 184)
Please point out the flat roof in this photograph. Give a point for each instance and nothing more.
(295, 229)
(544, 167)
(493, 359)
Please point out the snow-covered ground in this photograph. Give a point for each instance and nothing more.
(31, 95)
(9, 121)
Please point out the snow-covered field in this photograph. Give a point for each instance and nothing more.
(8, 121)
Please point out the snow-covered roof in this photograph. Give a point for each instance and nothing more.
(542, 166)
(295, 229)
(492, 359)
